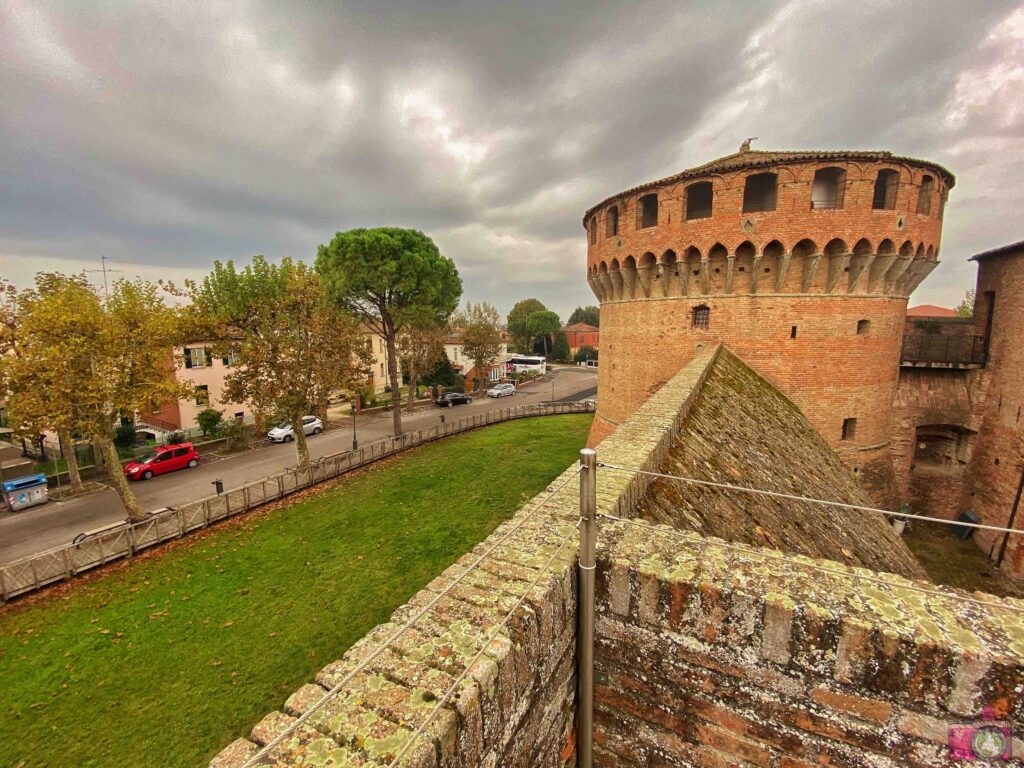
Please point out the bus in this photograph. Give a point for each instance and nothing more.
(520, 363)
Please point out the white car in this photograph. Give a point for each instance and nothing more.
(283, 433)
(500, 390)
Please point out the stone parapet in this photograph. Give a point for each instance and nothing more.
(712, 653)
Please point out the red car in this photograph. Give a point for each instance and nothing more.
(166, 458)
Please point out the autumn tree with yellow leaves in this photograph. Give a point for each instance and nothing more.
(80, 364)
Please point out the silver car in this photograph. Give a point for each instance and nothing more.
(283, 433)
(501, 390)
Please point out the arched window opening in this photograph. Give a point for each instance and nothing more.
(759, 193)
(886, 184)
(863, 326)
(611, 222)
(828, 188)
(924, 195)
(647, 211)
(699, 200)
(701, 316)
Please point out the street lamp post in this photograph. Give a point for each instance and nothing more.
(355, 443)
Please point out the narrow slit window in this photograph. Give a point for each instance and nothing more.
(792, 332)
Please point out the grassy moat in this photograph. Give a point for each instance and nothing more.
(166, 659)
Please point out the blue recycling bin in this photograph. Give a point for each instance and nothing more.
(26, 492)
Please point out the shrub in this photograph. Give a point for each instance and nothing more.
(176, 437)
(236, 435)
(209, 420)
(124, 437)
(585, 353)
(443, 375)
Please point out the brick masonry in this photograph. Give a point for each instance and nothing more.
(711, 654)
(982, 409)
(786, 289)
(997, 462)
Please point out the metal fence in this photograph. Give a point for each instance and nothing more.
(30, 573)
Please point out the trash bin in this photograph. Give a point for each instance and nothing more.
(963, 531)
(25, 492)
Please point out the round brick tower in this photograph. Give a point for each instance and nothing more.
(799, 262)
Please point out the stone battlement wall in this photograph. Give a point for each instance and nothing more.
(707, 653)
(715, 654)
(517, 705)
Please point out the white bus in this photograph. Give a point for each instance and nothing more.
(520, 363)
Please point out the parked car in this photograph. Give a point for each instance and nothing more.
(501, 390)
(448, 399)
(166, 458)
(283, 433)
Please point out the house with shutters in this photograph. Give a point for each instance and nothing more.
(207, 373)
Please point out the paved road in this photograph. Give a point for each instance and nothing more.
(56, 523)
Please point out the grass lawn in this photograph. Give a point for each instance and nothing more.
(169, 658)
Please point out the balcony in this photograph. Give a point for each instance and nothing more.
(939, 351)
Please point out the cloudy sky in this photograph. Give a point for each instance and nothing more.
(168, 135)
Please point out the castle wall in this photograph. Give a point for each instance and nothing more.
(997, 464)
(814, 299)
(829, 370)
(934, 397)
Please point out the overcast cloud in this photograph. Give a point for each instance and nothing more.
(168, 135)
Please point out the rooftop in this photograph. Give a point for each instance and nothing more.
(930, 310)
(757, 158)
(1002, 250)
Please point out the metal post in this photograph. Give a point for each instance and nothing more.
(587, 570)
(1012, 520)
(355, 443)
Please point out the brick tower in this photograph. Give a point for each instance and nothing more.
(800, 262)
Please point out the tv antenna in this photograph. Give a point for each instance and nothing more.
(104, 270)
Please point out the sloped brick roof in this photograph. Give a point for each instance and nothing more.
(581, 327)
(757, 158)
(740, 430)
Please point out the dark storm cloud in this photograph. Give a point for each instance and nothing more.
(169, 135)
